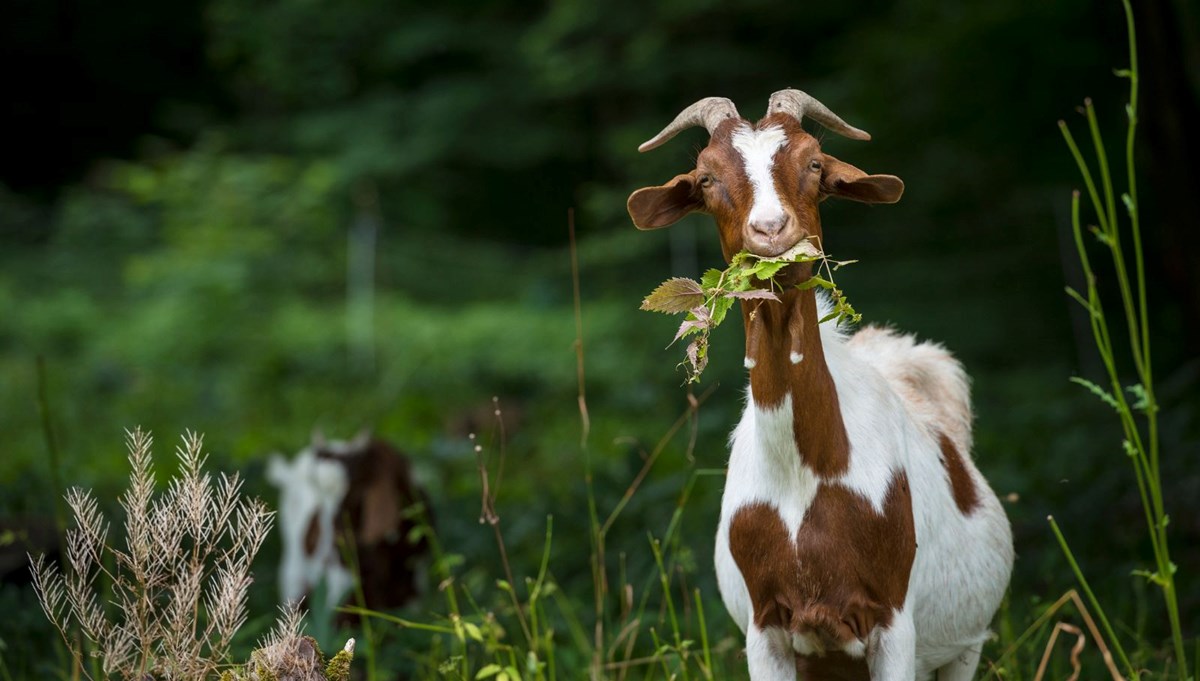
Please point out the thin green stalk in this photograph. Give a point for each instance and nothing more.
(1104, 346)
(1134, 218)
(535, 591)
(658, 644)
(703, 635)
(1114, 243)
(1145, 463)
(406, 624)
(1087, 590)
(350, 552)
(665, 580)
(446, 583)
(599, 583)
(1087, 175)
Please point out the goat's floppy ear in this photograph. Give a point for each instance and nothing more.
(844, 180)
(655, 207)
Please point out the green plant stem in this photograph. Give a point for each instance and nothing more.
(1165, 568)
(407, 624)
(1145, 459)
(1087, 590)
(703, 635)
(350, 551)
(1104, 347)
(535, 591)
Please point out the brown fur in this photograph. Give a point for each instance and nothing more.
(381, 487)
(829, 584)
(816, 414)
(966, 497)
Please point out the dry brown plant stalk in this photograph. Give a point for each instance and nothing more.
(175, 591)
(1070, 596)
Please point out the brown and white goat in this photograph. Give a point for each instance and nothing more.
(335, 491)
(857, 539)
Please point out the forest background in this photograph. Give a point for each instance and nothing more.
(257, 219)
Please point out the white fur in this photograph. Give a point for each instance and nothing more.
(758, 148)
(309, 488)
(895, 396)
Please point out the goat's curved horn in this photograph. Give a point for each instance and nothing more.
(708, 112)
(800, 104)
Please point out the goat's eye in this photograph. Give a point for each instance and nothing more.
(706, 180)
(814, 164)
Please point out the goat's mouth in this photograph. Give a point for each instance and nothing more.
(772, 237)
(770, 246)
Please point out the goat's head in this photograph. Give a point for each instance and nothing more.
(762, 182)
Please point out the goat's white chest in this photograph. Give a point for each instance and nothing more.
(764, 468)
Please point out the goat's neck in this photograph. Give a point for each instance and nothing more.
(777, 335)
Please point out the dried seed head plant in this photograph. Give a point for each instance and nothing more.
(175, 594)
(287, 654)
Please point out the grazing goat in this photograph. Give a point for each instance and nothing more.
(363, 485)
(857, 539)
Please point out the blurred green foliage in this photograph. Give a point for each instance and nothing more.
(201, 281)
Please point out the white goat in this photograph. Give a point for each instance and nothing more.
(857, 539)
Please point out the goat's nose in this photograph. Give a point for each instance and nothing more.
(769, 226)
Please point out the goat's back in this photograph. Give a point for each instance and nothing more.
(929, 380)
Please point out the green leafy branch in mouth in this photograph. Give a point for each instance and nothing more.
(708, 301)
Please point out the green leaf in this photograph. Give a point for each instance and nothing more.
(711, 279)
(674, 296)
(815, 281)
(1141, 401)
(473, 631)
(720, 307)
(489, 670)
(1150, 576)
(765, 269)
(1096, 390)
(1129, 205)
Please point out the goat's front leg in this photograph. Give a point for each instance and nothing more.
(892, 655)
(769, 654)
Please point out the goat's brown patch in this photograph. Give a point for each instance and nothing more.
(844, 573)
(312, 536)
(966, 497)
(817, 421)
(380, 489)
